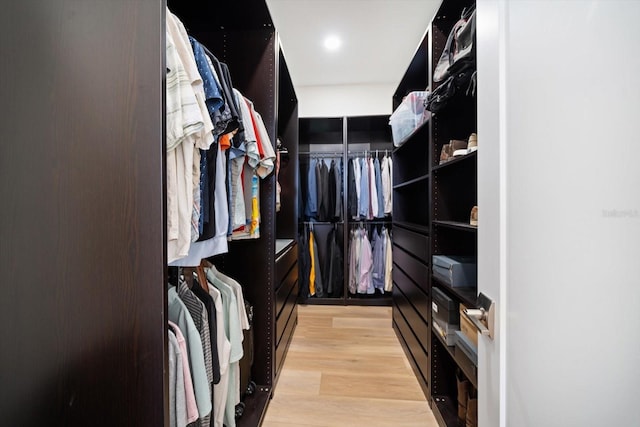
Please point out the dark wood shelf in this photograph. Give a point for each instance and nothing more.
(370, 300)
(423, 229)
(455, 356)
(456, 161)
(411, 182)
(445, 410)
(467, 296)
(457, 225)
(416, 131)
(255, 407)
(322, 301)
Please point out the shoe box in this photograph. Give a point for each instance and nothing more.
(466, 353)
(467, 328)
(444, 315)
(455, 271)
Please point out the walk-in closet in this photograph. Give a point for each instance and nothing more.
(319, 213)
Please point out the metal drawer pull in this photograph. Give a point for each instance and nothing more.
(483, 316)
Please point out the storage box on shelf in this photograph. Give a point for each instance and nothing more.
(409, 116)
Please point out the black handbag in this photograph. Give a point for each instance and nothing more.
(461, 83)
(460, 49)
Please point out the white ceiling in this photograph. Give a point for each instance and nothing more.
(379, 38)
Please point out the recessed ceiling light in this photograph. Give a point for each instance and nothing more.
(332, 43)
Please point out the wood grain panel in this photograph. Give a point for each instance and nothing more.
(81, 180)
(415, 269)
(418, 298)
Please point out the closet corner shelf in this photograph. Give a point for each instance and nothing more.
(456, 161)
(411, 182)
(408, 138)
(456, 225)
(467, 296)
(445, 410)
(423, 229)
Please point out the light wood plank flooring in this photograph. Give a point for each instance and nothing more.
(345, 367)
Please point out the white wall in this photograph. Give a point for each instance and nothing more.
(558, 164)
(345, 100)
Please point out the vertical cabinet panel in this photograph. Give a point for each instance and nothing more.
(81, 179)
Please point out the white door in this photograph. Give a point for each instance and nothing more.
(559, 211)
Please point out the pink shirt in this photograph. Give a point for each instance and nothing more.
(192, 408)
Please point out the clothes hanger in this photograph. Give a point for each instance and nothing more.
(202, 276)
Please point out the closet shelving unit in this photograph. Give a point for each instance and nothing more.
(411, 238)
(432, 205)
(266, 267)
(344, 138)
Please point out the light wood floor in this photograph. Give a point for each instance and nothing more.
(345, 367)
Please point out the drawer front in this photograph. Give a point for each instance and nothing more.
(417, 324)
(288, 308)
(283, 291)
(418, 298)
(414, 243)
(418, 354)
(285, 262)
(416, 270)
(283, 345)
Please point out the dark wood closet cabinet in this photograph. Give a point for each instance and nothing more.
(431, 213)
(83, 230)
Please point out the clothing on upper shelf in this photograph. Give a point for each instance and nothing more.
(323, 189)
(218, 148)
(369, 187)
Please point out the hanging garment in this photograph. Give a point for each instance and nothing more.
(177, 396)
(352, 196)
(357, 173)
(233, 331)
(304, 263)
(386, 184)
(178, 314)
(334, 266)
(377, 274)
(331, 191)
(209, 306)
(336, 178)
(373, 191)
(322, 188)
(364, 189)
(198, 314)
(220, 390)
(388, 263)
(379, 189)
(354, 270)
(311, 207)
(316, 287)
(365, 285)
(191, 407)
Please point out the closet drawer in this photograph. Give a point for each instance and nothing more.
(414, 243)
(419, 355)
(416, 270)
(282, 347)
(417, 324)
(285, 262)
(282, 291)
(287, 309)
(416, 296)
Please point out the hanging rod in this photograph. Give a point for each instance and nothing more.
(322, 153)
